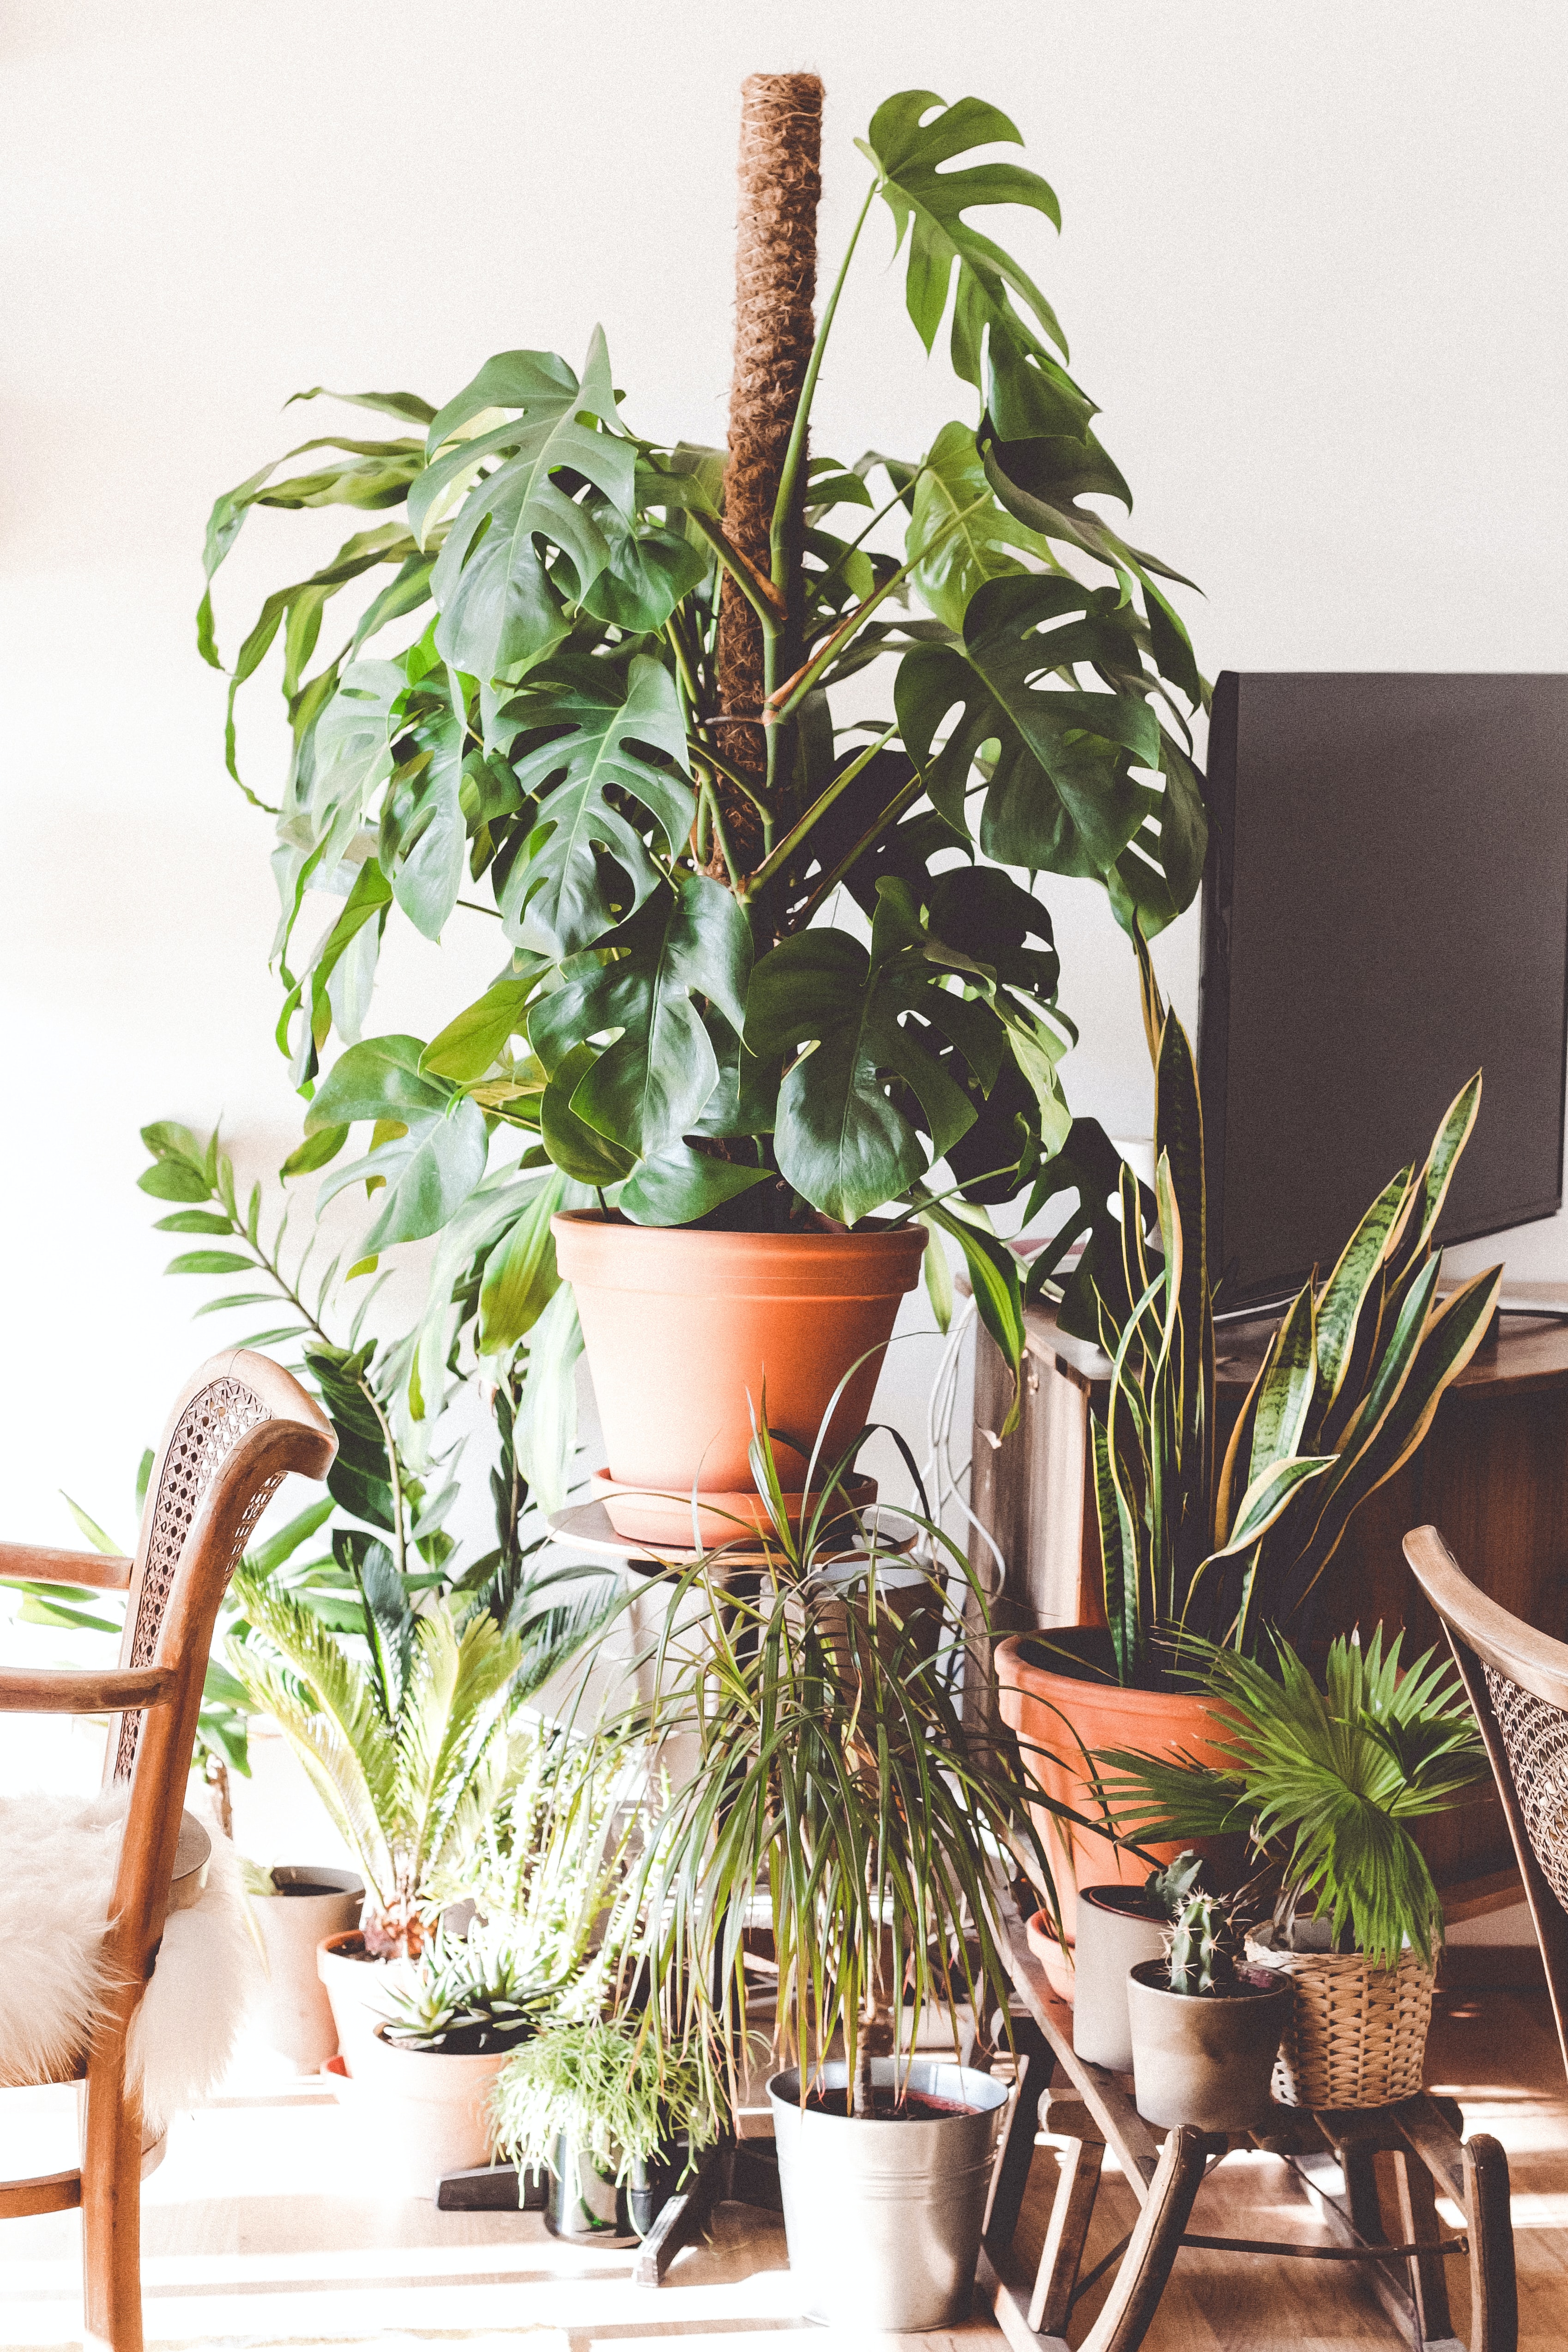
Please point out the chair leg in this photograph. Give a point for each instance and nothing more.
(1126, 2316)
(111, 2211)
(1494, 2289)
(1419, 2226)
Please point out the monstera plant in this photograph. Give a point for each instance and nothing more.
(752, 761)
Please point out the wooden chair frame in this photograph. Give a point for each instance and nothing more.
(1482, 1633)
(238, 1428)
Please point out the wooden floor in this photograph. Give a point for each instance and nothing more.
(264, 2228)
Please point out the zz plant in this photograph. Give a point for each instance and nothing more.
(737, 986)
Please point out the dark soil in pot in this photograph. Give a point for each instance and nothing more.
(914, 2107)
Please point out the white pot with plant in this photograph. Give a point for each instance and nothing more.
(294, 1906)
(1325, 1783)
(407, 1748)
(422, 2083)
(832, 1773)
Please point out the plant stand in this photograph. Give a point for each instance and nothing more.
(1093, 2110)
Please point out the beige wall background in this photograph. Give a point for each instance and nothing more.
(1312, 268)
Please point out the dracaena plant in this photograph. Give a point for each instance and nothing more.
(753, 963)
(1196, 1543)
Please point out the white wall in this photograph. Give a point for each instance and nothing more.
(1311, 269)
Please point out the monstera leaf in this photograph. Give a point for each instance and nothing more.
(650, 1086)
(500, 598)
(424, 834)
(986, 543)
(1027, 391)
(430, 1168)
(556, 897)
(841, 1138)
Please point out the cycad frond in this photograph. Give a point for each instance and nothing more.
(457, 1696)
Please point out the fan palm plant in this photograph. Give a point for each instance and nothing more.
(1324, 1781)
(407, 1747)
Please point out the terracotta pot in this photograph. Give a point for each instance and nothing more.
(1204, 2058)
(295, 2017)
(423, 2112)
(357, 1989)
(682, 1330)
(1057, 1716)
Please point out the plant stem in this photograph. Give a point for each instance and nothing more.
(754, 586)
(830, 882)
(823, 803)
(795, 455)
(789, 695)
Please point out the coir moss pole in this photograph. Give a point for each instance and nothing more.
(775, 285)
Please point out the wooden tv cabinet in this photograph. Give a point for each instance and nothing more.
(1493, 1476)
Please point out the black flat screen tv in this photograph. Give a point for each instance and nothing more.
(1385, 911)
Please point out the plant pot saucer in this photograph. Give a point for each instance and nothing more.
(651, 1516)
(1057, 1959)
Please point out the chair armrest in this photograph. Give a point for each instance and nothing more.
(29, 1691)
(37, 1564)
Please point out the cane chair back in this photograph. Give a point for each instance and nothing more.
(1517, 1679)
(241, 1426)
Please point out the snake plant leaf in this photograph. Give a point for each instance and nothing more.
(625, 733)
(987, 543)
(1285, 1393)
(1351, 1284)
(1454, 1132)
(1267, 1497)
(500, 600)
(647, 1087)
(678, 1185)
(840, 1139)
(927, 203)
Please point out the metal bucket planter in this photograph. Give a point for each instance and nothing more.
(1204, 2058)
(883, 2219)
(1118, 1926)
(585, 2205)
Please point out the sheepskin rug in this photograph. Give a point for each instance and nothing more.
(58, 1860)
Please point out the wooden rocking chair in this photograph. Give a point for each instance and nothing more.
(239, 1427)
(1517, 1684)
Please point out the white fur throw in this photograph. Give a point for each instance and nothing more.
(57, 1858)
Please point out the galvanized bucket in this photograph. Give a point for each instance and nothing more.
(883, 2219)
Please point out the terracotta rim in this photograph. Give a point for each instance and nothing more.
(1045, 1683)
(878, 1264)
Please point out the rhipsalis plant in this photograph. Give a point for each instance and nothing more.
(766, 953)
(1345, 1394)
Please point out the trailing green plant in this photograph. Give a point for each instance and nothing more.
(758, 963)
(1324, 1781)
(1346, 1392)
(406, 1749)
(468, 1996)
(609, 2087)
(816, 1755)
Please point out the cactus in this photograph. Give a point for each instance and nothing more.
(1203, 1946)
(1171, 1886)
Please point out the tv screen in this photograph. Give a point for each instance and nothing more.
(1385, 911)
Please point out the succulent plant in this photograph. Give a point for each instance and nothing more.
(467, 1998)
(1204, 1946)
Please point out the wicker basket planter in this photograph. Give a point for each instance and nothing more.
(1356, 2036)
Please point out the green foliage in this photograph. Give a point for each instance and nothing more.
(1345, 1394)
(1326, 1781)
(812, 1747)
(468, 1996)
(1204, 1946)
(692, 1021)
(609, 2087)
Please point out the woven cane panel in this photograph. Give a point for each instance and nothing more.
(205, 1437)
(1536, 1737)
(1356, 2035)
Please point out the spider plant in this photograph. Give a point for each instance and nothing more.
(1325, 1783)
(605, 2085)
(829, 1772)
(1345, 1394)
(406, 1747)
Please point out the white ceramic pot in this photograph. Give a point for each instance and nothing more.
(359, 1991)
(295, 2017)
(1117, 1928)
(422, 2113)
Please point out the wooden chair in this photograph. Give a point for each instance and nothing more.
(239, 1427)
(1517, 1684)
